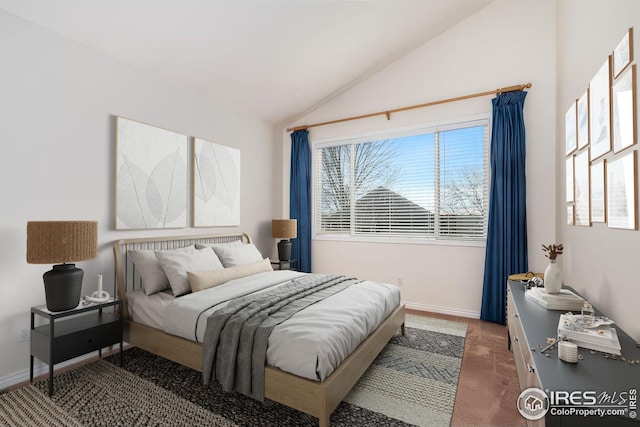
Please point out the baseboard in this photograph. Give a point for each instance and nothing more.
(39, 369)
(443, 310)
(14, 379)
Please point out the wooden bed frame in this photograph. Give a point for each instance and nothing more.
(316, 398)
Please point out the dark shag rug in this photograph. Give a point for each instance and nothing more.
(412, 382)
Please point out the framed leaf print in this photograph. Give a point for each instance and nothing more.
(583, 120)
(600, 111)
(216, 184)
(624, 110)
(622, 179)
(623, 53)
(151, 177)
(581, 188)
(570, 197)
(570, 126)
(598, 212)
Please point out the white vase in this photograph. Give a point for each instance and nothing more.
(552, 278)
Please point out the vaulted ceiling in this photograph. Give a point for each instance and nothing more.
(275, 59)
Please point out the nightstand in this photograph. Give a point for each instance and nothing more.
(285, 265)
(74, 332)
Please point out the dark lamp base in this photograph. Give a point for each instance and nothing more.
(63, 287)
(284, 250)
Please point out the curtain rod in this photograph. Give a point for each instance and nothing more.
(413, 107)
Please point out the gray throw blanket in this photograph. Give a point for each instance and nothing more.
(235, 342)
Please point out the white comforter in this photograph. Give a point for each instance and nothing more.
(310, 344)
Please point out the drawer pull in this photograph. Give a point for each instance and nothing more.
(515, 315)
(530, 368)
(516, 339)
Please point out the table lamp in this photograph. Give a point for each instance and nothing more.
(62, 243)
(284, 229)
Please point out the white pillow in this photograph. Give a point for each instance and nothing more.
(216, 245)
(208, 279)
(176, 265)
(151, 273)
(232, 256)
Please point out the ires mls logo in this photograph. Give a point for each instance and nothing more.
(533, 403)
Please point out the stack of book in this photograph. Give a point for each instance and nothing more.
(564, 300)
(600, 336)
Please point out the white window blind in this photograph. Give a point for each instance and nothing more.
(430, 184)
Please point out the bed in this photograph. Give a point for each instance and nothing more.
(318, 398)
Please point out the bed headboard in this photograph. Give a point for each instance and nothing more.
(128, 279)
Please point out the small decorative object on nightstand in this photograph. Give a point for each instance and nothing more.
(75, 332)
(284, 229)
(99, 295)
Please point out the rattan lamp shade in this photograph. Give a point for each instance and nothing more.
(284, 228)
(53, 242)
(62, 243)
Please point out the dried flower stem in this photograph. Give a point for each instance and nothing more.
(552, 250)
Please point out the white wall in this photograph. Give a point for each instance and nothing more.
(494, 48)
(58, 101)
(600, 262)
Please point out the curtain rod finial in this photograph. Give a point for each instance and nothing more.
(513, 88)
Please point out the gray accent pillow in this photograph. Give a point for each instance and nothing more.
(176, 265)
(151, 273)
(232, 256)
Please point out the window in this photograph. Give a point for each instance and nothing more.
(430, 184)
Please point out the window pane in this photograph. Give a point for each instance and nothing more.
(430, 185)
(395, 191)
(462, 183)
(335, 194)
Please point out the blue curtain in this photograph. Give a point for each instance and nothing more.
(300, 198)
(506, 251)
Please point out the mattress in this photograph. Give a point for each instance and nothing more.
(310, 344)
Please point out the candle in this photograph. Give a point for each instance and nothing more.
(99, 286)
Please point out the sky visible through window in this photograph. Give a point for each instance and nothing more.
(461, 152)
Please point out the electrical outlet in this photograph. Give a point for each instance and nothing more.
(22, 335)
(400, 282)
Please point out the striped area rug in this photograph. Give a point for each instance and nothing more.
(29, 406)
(414, 379)
(412, 382)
